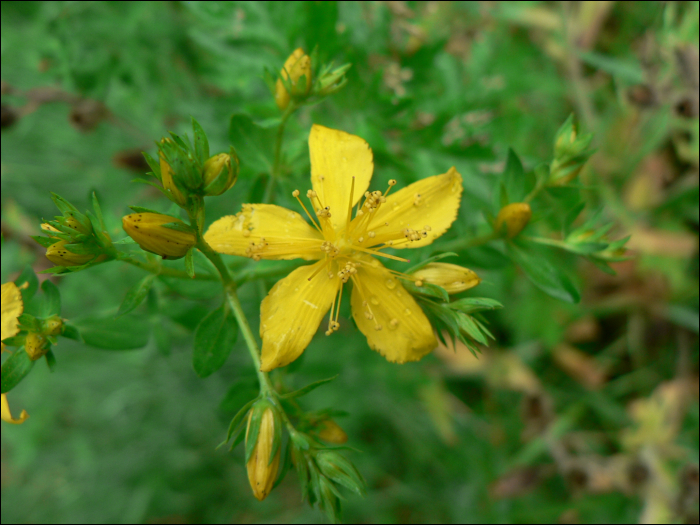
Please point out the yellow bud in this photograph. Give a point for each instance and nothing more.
(58, 254)
(262, 473)
(220, 174)
(52, 326)
(148, 231)
(452, 278)
(332, 432)
(515, 217)
(166, 178)
(36, 345)
(297, 65)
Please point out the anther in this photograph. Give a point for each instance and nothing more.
(378, 328)
(295, 193)
(392, 182)
(371, 235)
(394, 323)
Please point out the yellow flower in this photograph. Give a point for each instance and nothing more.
(341, 169)
(12, 308)
(453, 278)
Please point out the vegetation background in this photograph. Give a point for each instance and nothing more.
(578, 413)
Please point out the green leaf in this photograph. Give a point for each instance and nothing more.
(308, 388)
(50, 360)
(14, 369)
(136, 295)
(52, 299)
(28, 322)
(514, 179)
(213, 341)
(29, 277)
(71, 332)
(253, 142)
(201, 143)
(536, 262)
(122, 333)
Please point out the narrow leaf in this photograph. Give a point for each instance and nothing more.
(213, 341)
(308, 388)
(136, 295)
(52, 299)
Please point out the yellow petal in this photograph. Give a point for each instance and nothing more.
(337, 157)
(12, 308)
(265, 231)
(431, 202)
(291, 313)
(7, 415)
(398, 328)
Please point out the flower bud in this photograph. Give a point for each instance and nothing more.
(36, 345)
(220, 174)
(148, 231)
(262, 472)
(52, 326)
(331, 432)
(562, 173)
(337, 468)
(298, 65)
(453, 278)
(166, 178)
(58, 254)
(515, 217)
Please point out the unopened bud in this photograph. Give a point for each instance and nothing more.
(148, 231)
(453, 278)
(58, 254)
(36, 345)
(52, 326)
(331, 432)
(298, 65)
(339, 469)
(262, 468)
(166, 178)
(514, 217)
(220, 174)
(562, 173)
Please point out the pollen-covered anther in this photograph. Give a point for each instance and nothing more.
(295, 193)
(310, 194)
(330, 249)
(369, 316)
(392, 182)
(323, 213)
(348, 271)
(331, 275)
(373, 200)
(372, 235)
(378, 327)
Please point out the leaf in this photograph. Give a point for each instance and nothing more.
(29, 277)
(514, 179)
(52, 299)
(253, 142)
(50, 360)
(308, 388)
(122, 333)
(136, 295)
(71, 332)
(14, 369)
(213, 341)
(535, 261)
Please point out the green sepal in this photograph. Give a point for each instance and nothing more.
(44, 241)
(71, 332)
(84, 249)
(201, 143)
(52, 299)
(180, 227)
(14, 369)
(50, 360)
(136, 294)
(308, 388)
(29, 323)
(189, 262)
(141, 209)
(237, 420)
(427, 290)
(253, 429)
(153, 164)
(471, 305)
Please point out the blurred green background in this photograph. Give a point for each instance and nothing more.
(577, 414)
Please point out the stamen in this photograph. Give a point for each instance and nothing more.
(352, 191)
(319, 269)
(295, 194)
(378, 254)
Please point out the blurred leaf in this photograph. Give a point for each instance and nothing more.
(122, 333)
(136, 295)
(253, 143)
(213, 341)
(14, 369)
(52, 299)
(308, 388)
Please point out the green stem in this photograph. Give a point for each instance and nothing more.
(279, 139)
(235, 305)
(162, 270)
